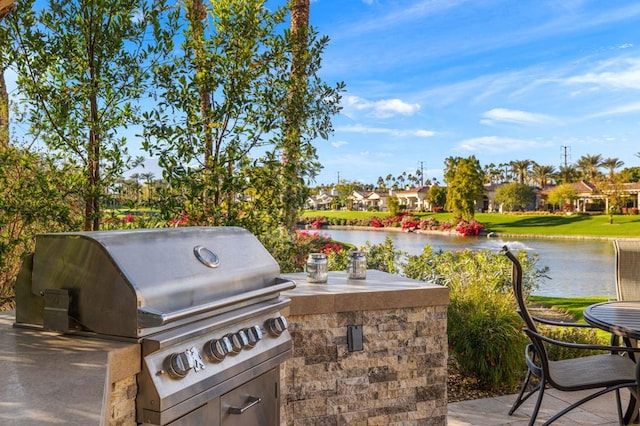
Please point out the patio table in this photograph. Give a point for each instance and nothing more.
(621, 318)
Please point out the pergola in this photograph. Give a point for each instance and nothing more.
(5, 7)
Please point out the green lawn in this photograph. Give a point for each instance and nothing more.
(574, 305)
(529, 224)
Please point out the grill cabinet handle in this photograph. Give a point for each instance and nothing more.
(253, 400)
(151, 318)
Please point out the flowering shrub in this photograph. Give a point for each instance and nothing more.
(429, 223)
(471, 227)
(445, 226)
(410, 223)
(376, 222)
(318, 223)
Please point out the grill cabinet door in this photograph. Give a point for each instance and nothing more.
(240, 407)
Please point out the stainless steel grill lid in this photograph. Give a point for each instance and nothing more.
(132, 283)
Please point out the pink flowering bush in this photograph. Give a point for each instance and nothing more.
(467, 228)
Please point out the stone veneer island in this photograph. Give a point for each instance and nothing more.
(396, 371)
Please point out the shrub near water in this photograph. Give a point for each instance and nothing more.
(483, 327)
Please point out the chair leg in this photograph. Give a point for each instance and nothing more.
(536, 409)
(579, 403)
(521, 399)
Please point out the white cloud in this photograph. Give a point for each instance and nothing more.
(496, 144)
(515, 116)
(359, 128)
(620, 74)
(424, 133)
(622, 109)
(338, 144)
(382, 109)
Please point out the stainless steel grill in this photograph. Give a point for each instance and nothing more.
(203, 302)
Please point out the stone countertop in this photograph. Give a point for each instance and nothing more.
(380, 290)
(54, 379)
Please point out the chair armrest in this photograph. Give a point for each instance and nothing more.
(582, 345)
(561, 323)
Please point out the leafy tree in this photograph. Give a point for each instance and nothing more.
(514, 196)
(437, 196)
(630, 174)
(393, 204)
(562, 194)
(80, 72)
(231, 120)
(464, 178)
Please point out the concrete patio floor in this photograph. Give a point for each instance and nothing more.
(494, 411)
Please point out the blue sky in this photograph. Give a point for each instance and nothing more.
(499, 79)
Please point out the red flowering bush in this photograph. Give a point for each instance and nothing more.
(472, 227)
(410, 223)
(318, 223)
(376, 222)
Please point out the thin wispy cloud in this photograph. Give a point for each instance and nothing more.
(497, 144)
(622, 109)
(620, 73)
(359, 128)
(338, 144)
(502, 115)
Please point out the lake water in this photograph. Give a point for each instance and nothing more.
(576, 267)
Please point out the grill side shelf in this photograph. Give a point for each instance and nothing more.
(151, 318)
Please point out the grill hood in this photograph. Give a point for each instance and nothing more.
(136, 282)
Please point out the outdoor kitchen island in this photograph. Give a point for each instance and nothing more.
(366, 352)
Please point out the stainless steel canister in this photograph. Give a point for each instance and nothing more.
(316, 268)
(356, 265)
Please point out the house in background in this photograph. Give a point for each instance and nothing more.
(413, 199)
(322, 201)
(370, 200)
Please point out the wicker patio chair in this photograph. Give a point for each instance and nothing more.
(627, 269)
(604, 373)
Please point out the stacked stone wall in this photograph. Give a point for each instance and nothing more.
(400, 377)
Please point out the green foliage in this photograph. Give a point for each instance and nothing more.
(383, 257)
(514, 196)
(571, 335)
(483, 326)
(437, 196)
(562, 194)
(81, 68)
(223, 109)
(464, 178)
(393, 204)
(35, 197)
(485, 337)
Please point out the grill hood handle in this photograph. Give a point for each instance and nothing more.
(152, 318)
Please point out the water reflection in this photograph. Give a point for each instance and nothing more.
(576, 267)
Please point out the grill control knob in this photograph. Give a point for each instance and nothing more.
(179, 364)
(239, 341)
(217, 349)
(254, 334)
(277, 326)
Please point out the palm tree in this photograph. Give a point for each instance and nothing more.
(148, 179)
(542, 175)
(567, 174)
(589, 166)
(520, 168)
(612, 164)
